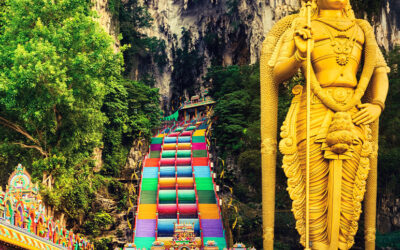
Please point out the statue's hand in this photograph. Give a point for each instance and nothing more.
(368, 113)
(301, 36)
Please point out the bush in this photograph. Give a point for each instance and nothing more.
(97, 223)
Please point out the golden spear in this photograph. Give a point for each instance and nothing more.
(308, 127)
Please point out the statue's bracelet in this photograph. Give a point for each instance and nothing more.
(298, 57)
(379, 103)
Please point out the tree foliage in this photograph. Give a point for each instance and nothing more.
(131, 108)
(62, 95)
(389, 140)
(97, 222)
(236, 132)
(57, 64)
(236, 89)
(141, 49)
(187, 66)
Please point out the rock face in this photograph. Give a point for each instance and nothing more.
(387, 26)
(225, 32)
(106, 20)
(231, 31)
(388, 218)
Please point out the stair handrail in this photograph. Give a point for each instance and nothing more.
(195, 190)
(138, 200)
(176, 179)
(212, 177)
(158, 185)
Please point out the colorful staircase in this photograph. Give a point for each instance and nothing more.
(177, 187)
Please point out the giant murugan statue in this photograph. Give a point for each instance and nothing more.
(329, 136)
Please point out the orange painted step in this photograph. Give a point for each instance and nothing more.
(147, 211)
(152, 162)
(199, 132)
(169, 146)
(167, 183)
(203, 161)
(208, 211)
(184, 146)
(185, 182)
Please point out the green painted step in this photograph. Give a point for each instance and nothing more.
(199, 153)
(186, 196)
(155, 154)
(144, 242)
(198, 139)
(184, 153)
(148, 197)
(206, 197)
(204, 183)
(178, 129)
(167, 196)
(190, 128)
(156, 140)
(168, 154)
(149, 184)
(221, 242)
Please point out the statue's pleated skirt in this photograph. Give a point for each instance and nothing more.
(319, 180)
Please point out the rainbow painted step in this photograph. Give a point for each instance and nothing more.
(177, 187)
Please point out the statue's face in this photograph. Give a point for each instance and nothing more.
(332, 4)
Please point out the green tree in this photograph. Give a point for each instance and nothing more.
(62, 95)
(187, 66)
(132, 108)
(236, 90)
(389, 141)
(236, 131)
(57, 64)
(97, 222)
(141, 50)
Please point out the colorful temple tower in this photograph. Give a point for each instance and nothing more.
(184, 237)
(177, 185)
(24, 222)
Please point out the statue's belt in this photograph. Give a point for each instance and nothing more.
(341, 95)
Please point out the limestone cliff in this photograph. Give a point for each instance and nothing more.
(233, 30)
(225, 31)
(387, 25)
(106, 20)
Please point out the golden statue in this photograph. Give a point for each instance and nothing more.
(329, 136)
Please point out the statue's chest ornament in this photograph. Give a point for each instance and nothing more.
(341, 43)
(342, 49)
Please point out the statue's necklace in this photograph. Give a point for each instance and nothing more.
(338, 25)
(341, 43)
(370, 50)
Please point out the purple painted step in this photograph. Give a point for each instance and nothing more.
(155, 147)
(212, 228)
(146, 228)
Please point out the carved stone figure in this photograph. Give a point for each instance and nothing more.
(342, 131)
